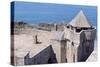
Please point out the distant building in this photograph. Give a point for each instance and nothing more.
(74, 44)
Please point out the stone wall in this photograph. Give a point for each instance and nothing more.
(56, 48)
(86, 46)
(45, 56)
(63, 51)
(79, 44)
(59, 48)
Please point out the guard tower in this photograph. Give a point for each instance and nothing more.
(80, 36)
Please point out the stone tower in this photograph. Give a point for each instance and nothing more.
(59, 46)
(80, 36)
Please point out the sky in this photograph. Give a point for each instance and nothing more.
(34, 12)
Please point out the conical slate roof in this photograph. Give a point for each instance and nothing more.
(80, 20)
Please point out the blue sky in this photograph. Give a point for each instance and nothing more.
(45, 12)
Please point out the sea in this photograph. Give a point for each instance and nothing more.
(35, 12)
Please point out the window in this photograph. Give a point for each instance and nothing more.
(66, 59)
(67, 26)
(78, 30)
(72, 44)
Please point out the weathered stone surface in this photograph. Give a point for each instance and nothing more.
(74, 44)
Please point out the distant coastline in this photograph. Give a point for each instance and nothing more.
(50, 13)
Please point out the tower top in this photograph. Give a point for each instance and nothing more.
(80, 20)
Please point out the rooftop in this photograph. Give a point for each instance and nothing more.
(80, 20)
